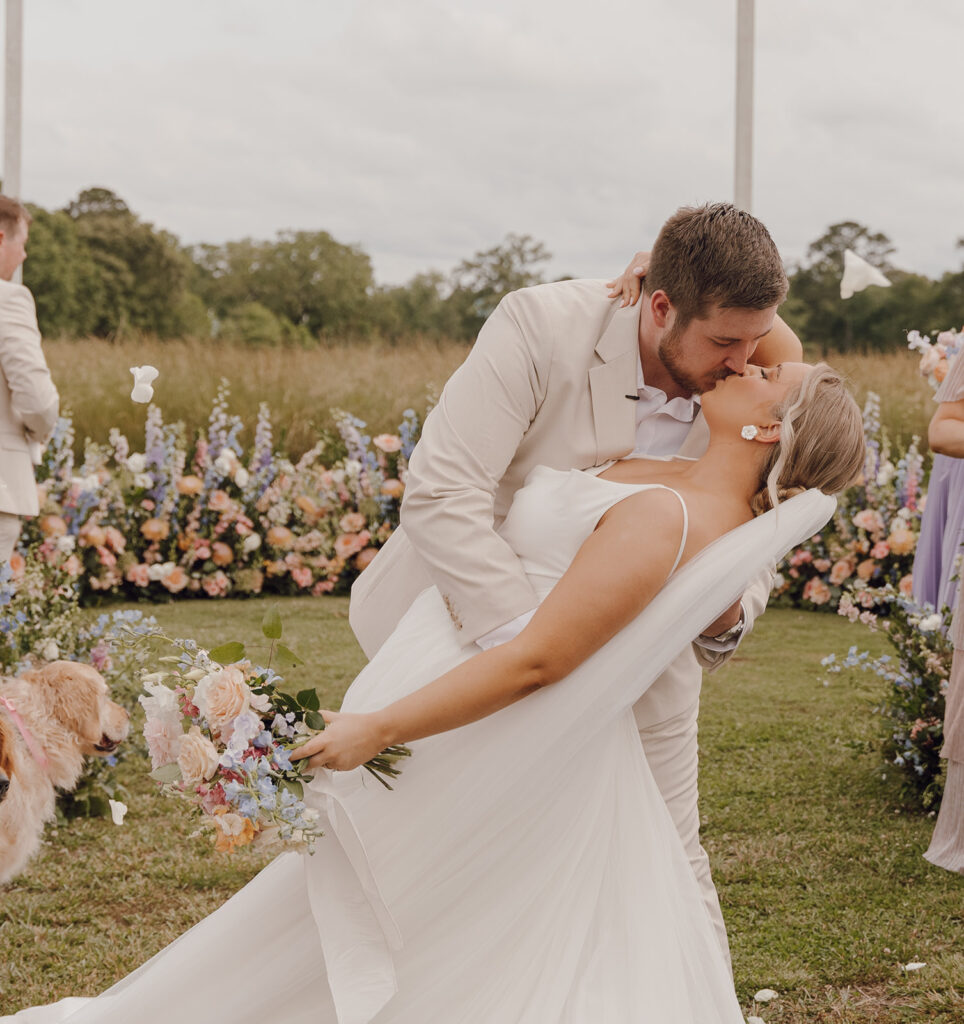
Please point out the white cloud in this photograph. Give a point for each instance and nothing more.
(427, 130)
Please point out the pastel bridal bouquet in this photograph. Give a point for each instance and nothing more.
(220, 731)
(936, 356)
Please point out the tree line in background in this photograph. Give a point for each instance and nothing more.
(96, 268)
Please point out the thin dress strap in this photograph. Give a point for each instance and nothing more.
(686, 524)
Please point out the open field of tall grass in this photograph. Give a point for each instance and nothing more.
(818, 862)
(374, 381)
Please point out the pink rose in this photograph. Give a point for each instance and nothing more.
(323, 587)
(388, 443)
(219, 500)
(216, 585)
(302, 576)
(869, 519)
(801, 557)
(841, 570)
(352, 522)
(906, 585)
(816, 591)
(197, 757)
(115, 539)
(880, 550)
(163, 735)
(73, 566)
(138, 574)
(222, 695)
(822, 564)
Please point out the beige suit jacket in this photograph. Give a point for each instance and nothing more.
(28, 399)
(550, 380)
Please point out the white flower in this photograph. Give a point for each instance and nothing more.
(914, 965)
(230, 824)
(765, 995)
(161, 700)
(885, 474)
(755, 1020)
(66, 543)
(159, 570)
(352, 467)
(143, 480)
(931, 622)
(86, 483)
(117, 811)
(137, 462)
(226, 462)
(778, 581)
(242, 476)
(251, 543)
(142, 390)
(50, 651)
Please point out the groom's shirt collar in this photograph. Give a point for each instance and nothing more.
(661, 424)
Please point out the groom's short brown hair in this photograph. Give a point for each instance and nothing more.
(12, 211)
(715, 255)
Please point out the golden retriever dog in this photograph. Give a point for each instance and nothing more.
(65, 711)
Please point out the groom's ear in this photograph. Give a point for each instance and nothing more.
(768, 434)
(660, 307)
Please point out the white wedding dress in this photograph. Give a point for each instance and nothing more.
(525, 870)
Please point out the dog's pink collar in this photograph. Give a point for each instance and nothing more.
(35, 752)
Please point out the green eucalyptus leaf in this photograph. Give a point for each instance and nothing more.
(308, 699)
(166, 773)
(271, 624)
(227, 653)
(314, 721)
(286, 657)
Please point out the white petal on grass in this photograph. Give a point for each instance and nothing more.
(765, 995)
(117, 811)
(914, 965)
(858, 274)
(755, 1020)
(143, 377)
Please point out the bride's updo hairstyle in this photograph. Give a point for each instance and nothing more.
(821, 441)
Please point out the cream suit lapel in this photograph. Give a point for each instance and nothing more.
(614, 415)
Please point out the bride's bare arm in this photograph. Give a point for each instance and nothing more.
(614, 575)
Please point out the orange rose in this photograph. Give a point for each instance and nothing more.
(190, 484)
(902, 542)
(280, 537)
(17, 564)
(155, 529)
(352, 522)
(52, 526)
(176, 580)
(219, 501)
(393, 489)
(92, 535)
(308, 506)
(221, 553)
(232, 830)
(364, 558)
(866, 568)
(222, 696)
(940, 371)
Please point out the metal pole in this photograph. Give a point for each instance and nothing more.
(743, 170)
(13, 103)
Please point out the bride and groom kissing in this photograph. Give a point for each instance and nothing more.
(591, 517)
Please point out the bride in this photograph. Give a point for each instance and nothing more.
(525, 869)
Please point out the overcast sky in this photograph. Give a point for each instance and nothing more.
(425, 130)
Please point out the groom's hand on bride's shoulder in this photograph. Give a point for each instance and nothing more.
(629, 283)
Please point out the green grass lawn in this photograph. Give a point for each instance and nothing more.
(818, 862)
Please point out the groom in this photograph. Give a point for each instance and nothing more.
(564, 376)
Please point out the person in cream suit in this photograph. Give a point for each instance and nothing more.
(566, 376)
(28, 399)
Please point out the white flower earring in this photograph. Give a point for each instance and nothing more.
(749, 432)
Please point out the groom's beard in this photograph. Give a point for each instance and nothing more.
(671, 355)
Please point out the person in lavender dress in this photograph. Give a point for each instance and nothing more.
(942, 527)
(946, 438)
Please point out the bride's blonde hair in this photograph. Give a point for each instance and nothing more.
(821, 441)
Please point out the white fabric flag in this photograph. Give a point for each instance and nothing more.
(858, 274)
